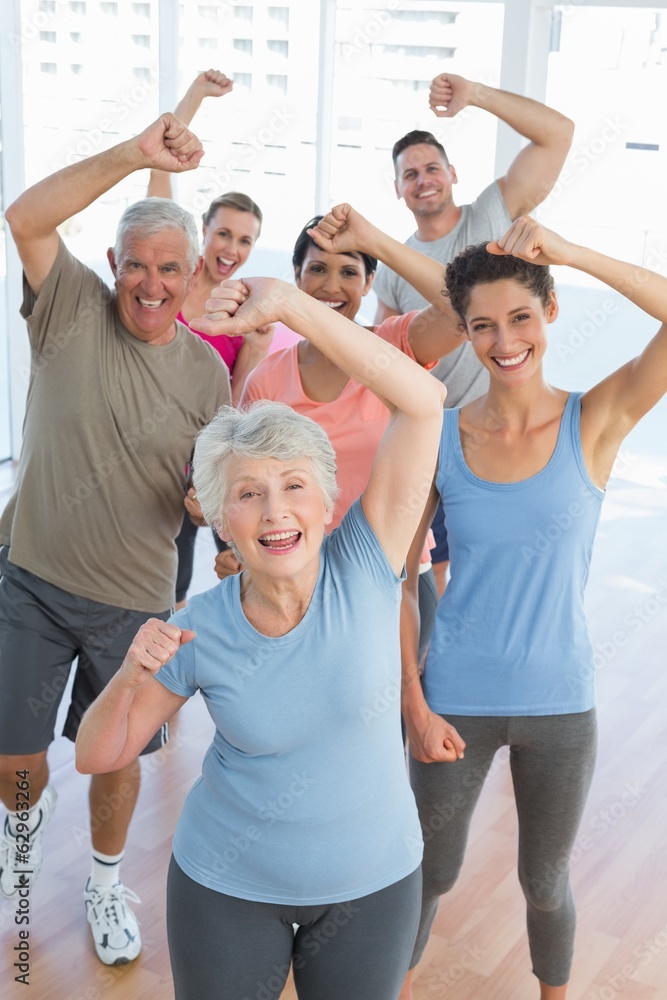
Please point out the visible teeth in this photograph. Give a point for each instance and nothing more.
(227, 263)
(511, 362)
(279, 536)
(426, 194)
(150, 303)
(331, 305)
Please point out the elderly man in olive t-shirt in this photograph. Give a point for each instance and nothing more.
(118, 390)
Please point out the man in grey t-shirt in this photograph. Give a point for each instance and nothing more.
(425, 179)
(118, 391)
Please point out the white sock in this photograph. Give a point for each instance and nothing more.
(34, 816)
(106, 869)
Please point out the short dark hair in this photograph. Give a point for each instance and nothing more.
(303, 241)
(233, 199)
(476, 266)
(417, 138)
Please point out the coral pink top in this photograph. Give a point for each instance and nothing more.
(354, 422)
(283, 337)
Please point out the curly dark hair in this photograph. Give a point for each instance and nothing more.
(476, 266)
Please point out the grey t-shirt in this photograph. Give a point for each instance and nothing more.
(109, 429)
(486, 218)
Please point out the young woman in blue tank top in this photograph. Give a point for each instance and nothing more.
(522, 473)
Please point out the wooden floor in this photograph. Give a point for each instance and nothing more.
(478, 949)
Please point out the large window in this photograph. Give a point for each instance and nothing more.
(386, 58)
(317, 107)
(260, 139)
(610, 194)
(87, 98)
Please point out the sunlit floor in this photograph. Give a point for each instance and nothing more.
(478, 950)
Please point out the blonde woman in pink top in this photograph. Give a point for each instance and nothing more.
(230, 227)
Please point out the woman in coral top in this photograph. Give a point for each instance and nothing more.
(303, 377)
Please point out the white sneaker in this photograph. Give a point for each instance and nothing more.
(114, 925)
(21, 860)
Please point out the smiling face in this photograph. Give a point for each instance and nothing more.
(424, 180)
(275, 514)
(507, 327)
(153, 276)
(339, 280)
(228, 240)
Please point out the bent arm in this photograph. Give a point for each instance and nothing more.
(120, 723)
(211, 83)
(254, 349)
(433, 332)
(34, 217)
(618, 402)
(613, 407)
(404, 464)
(535, 169)
(133, 705)
(430, 737)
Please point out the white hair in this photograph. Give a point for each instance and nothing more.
(152, 216)
(262, 430)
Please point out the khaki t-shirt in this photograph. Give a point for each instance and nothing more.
(109, 428)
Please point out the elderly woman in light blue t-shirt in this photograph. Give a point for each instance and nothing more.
(299, 846)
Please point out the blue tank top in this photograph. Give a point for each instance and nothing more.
(511, 635)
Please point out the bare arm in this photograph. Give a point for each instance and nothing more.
(34, 217)
(394, 497)
(613, 407)
(133, 705)
(430, 737)
(211, 83)
(535, 170)
(434, 331)
(254, 349)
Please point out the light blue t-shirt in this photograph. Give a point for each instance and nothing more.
(304, 796)
(511, 635)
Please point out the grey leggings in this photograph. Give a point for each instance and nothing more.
(552, 758)
(225, 948)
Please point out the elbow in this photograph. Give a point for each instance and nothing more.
(566, 134)
(437, 397)
(87, 765)
(82, 765)
(13, 218)
(21, 223)
(428, 404)
(431, 404)
(84, 759)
